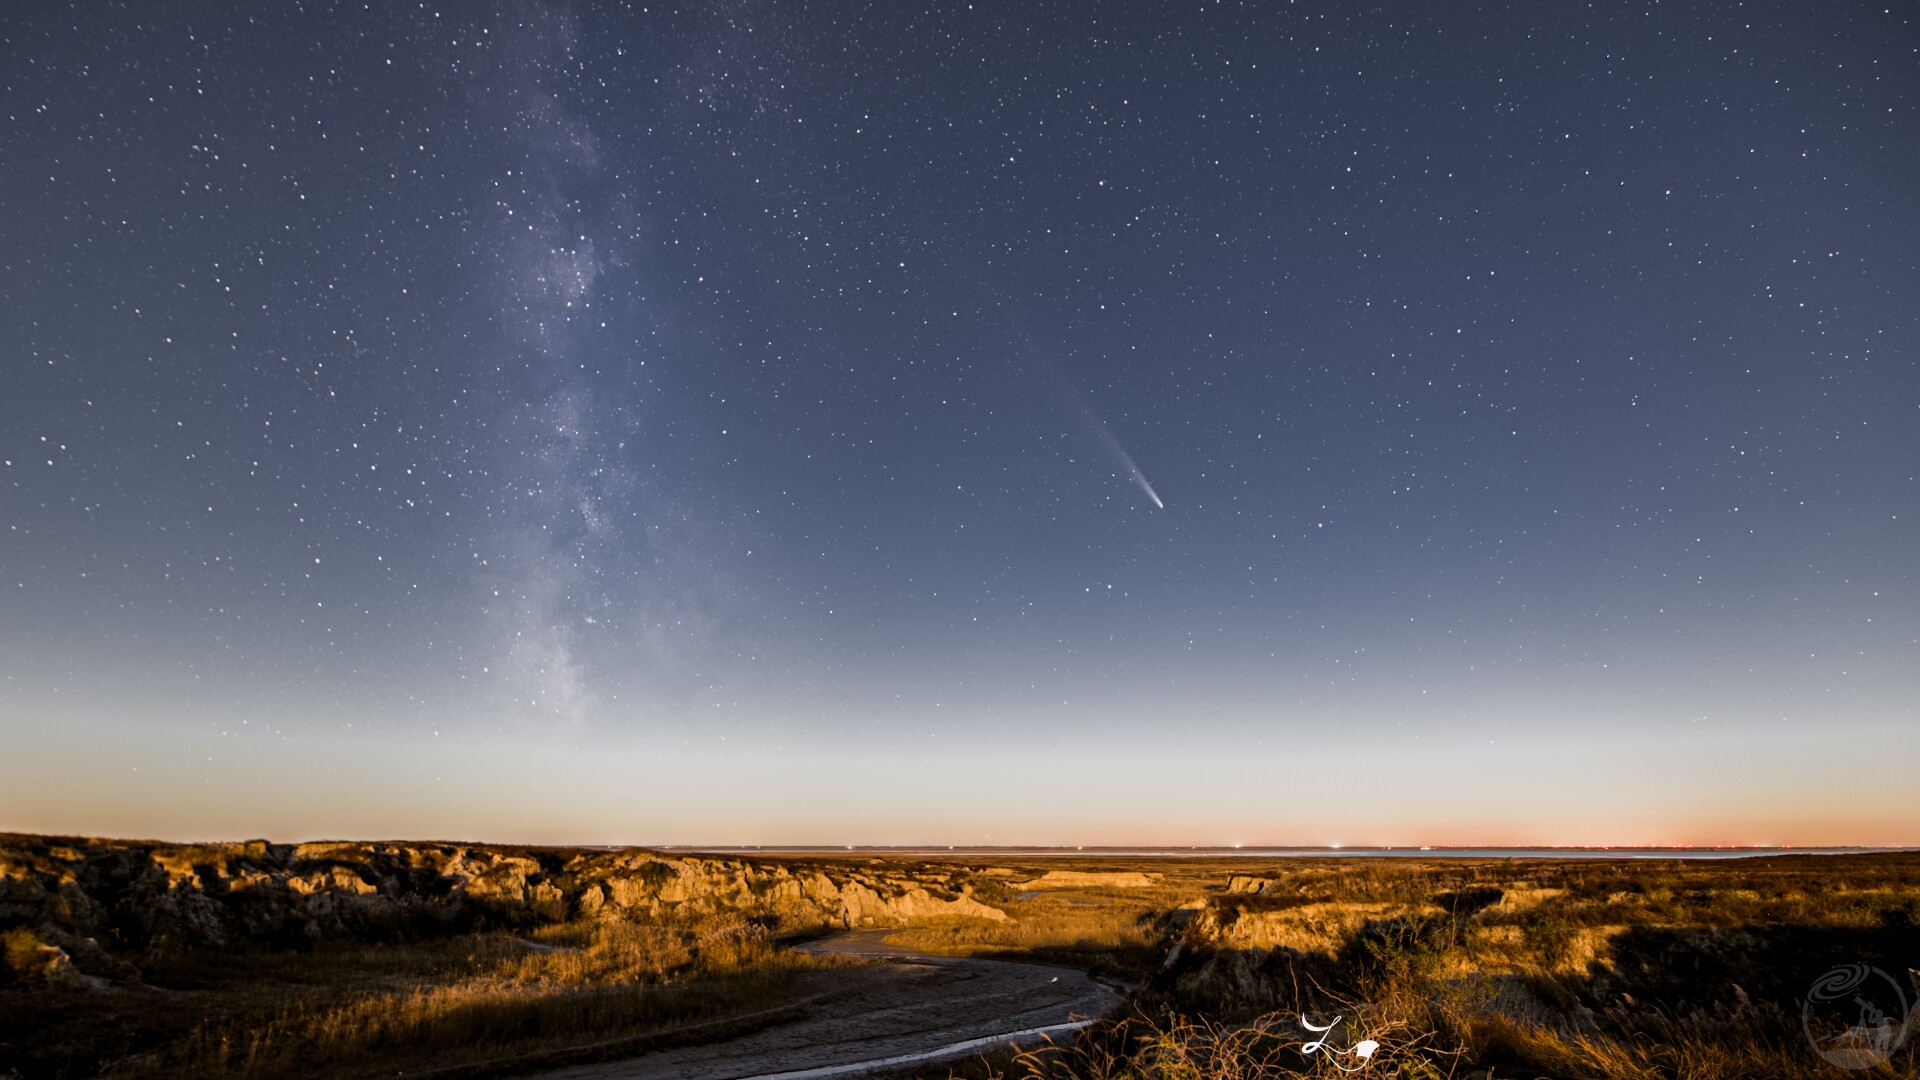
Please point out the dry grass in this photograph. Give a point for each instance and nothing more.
(1640, 970)
(1267, 1047)
(1275, 1046)
(568, 984)
(467, 1001)
(1116, 932)
(1535, 968)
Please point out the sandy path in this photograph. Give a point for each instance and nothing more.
(913, 1009)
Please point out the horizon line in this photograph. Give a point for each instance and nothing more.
(1089, 849)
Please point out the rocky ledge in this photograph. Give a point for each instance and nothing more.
(85, 912)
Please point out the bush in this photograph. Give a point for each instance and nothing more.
(1549, 937)
(22, 954)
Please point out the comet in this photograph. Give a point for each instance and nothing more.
(1120, 455)
(1106, 437)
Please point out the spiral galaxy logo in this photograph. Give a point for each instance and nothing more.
(1855, 1016)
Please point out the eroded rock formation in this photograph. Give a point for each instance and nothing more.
(77, 909)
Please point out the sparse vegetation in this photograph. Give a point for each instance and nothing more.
(1105, 931)
(1555, 968)
(1532, 968)
(613, 987)
(1550, 937)
(619, 984)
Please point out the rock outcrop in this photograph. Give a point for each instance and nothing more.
(92, 909)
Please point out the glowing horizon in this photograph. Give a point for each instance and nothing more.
(577, 424)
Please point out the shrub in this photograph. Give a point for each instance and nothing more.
(1549, 937)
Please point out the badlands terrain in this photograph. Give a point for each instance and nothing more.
(133, 958)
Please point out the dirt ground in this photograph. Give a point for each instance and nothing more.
(911, 1009)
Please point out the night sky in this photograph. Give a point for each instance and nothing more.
(969, 423)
